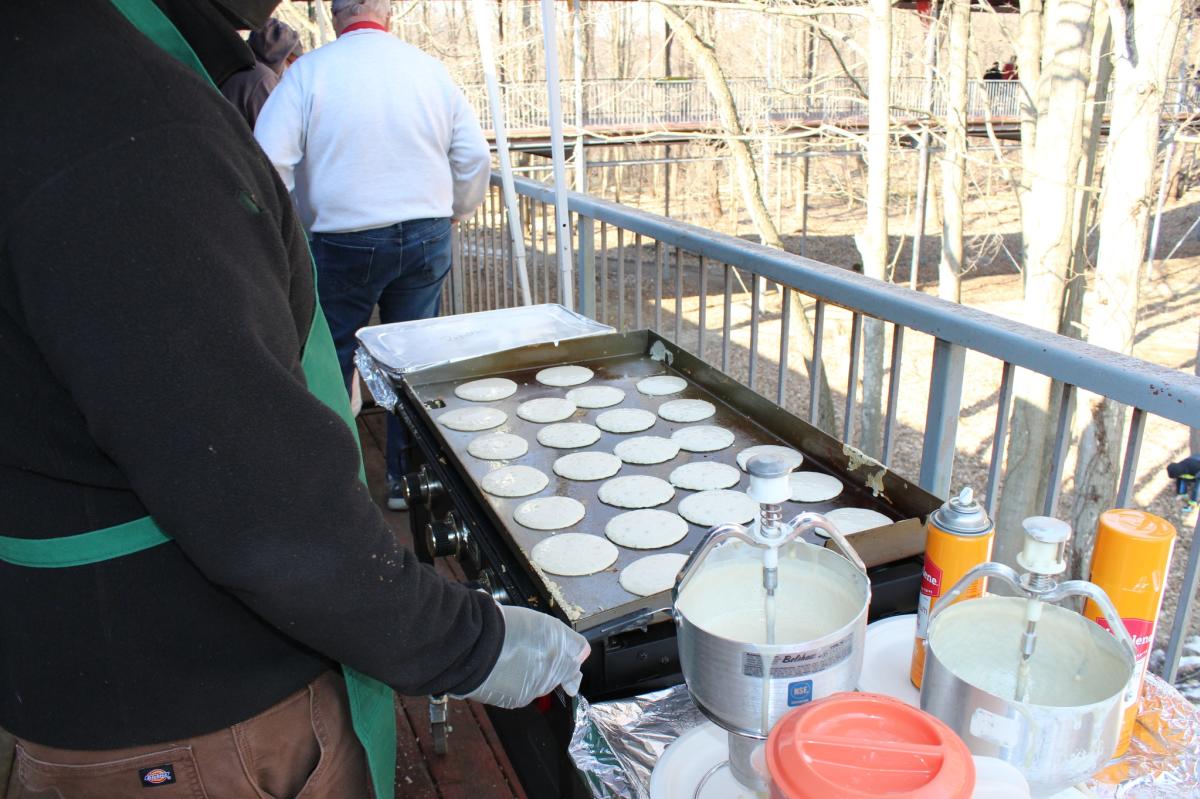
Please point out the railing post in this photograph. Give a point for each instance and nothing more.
(456, 270)
(1183, 608)
(562, 213)
(585, 260)
(941, 418)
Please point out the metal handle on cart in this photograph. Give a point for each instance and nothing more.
(633, 621)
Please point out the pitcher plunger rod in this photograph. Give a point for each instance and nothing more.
(770, 517)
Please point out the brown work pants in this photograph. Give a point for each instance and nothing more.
(302, 748)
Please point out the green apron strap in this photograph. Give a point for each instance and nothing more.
(372, 704)
(79, 550)
(323, 373)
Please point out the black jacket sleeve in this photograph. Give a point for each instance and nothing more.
(174, 311)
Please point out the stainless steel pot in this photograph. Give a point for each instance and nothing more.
(1068, 729)
(725, 675)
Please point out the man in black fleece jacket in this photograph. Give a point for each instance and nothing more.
(155, 294)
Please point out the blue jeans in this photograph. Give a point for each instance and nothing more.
(400, 268)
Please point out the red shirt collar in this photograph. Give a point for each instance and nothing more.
(365, 24)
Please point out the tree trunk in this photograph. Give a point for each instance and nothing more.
(922, 191)
(1125, 205)
(1029, 62)
(954, 159)
(873, 243)
(1086, 200)
(324, 26)
(1049, 245)
(742, 158)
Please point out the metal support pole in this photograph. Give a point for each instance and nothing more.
(1194, 434)
(1183, 608)
(941, 417)
(585, 227)
(579, 151)
(562, 215)
(1133, 448)
(487, 53)
(457, 274)
(1062, 441)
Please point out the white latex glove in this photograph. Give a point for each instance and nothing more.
(539, 653)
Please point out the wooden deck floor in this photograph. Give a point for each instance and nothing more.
(476, 766)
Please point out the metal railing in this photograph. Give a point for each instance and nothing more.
(635, 269)
(645, 104)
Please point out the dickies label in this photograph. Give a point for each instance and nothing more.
(155, 776)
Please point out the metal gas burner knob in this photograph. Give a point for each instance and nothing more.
(422, 487)
(445, 537)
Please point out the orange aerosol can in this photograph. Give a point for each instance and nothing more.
(1130, 562)
(958, 537)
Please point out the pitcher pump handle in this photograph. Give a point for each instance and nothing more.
(808, 521)
(716, 535)
(1097, 594)
(989, 570)
(1057, 594)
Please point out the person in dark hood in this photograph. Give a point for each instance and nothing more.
(248, 89)
(197, 593)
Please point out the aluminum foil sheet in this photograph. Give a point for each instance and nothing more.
(1164, 757)
(616, 744)
(404, 347)
(377, 382)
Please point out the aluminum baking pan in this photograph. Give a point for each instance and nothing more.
(404, 347)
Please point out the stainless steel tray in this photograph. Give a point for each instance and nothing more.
(621, 360)
(404, 347)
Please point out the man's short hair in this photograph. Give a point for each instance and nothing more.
(378, 8)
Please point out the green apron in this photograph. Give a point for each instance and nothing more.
(372, 707)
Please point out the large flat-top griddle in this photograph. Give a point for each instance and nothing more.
(621, 360)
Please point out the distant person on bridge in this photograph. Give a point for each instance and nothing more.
(1010, 69)
(381, 152)
(993, 72)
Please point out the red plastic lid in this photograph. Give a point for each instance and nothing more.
(861, 746)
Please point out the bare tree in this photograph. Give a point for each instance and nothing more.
(1137, 97)
(954, 163)
(1048, 214)
(735, 138)
(873, 243)
(1029, 66)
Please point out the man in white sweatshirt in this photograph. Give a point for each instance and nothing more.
(381, 153)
